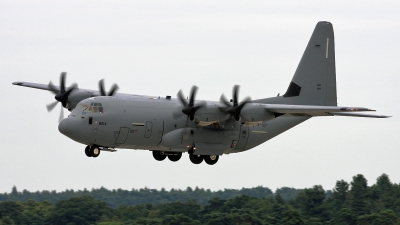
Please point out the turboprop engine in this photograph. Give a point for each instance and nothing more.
(253, 114)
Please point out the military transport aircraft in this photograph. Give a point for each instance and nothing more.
(205, 129)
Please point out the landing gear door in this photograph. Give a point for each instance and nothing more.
(122, 135)
(243, 136)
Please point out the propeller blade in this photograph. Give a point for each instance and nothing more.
(114, 89)
(235, 109)
(235, 93)
(193, 93)
(71, 88)
(244, 102)
(190, 108)
(102, 91)
(53, 88)
(62, 82)
(51, 106)
(101, 87)
(225, 101)
(181, 98)
(61, 114)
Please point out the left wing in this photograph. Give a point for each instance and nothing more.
(33, 85)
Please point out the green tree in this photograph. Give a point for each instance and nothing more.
(358, 191)
(6, 220)
(339, 194)
(236, 216)
(344, 216)
(310, 201)
(81, 210)
(179, 219)
(385, 217)
(214, 205)
(292, 217)
(12, 210)
(190, 208)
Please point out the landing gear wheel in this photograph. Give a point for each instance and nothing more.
(94, 151)
(196, 159)
(175, 157)
(159, 156)
(211, 159)
(87, 151)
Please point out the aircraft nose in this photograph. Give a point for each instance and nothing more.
(66, 127)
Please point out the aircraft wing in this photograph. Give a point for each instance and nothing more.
(33, 85)
(310, 110)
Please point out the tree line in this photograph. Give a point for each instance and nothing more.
(115, 198)
(348, 203)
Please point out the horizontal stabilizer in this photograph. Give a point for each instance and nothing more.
(312, 110)
(359, 115)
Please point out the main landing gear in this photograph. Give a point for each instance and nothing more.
(195, 159)
(209, 159)
(172, 156)
(92, 151)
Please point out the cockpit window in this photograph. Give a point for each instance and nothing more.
(94, 107)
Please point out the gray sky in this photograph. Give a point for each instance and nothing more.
(159, 47)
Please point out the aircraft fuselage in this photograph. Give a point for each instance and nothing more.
(150, 124)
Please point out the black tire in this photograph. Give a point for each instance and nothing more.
(159, 156)
(175, 157)
(87, 151)
(196, 159)
(211, 159)
(94, 151)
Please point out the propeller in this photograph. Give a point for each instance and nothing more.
(61, 94)
(190, 107)
(235, 107)
(112, 92)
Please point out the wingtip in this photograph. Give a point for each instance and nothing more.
(17, 83)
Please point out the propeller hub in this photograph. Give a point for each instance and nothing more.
(60, 97)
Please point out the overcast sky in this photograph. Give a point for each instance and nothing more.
(159, 47)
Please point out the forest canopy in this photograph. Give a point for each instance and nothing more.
(351, 202)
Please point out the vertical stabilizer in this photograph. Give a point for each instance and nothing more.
(314, 82)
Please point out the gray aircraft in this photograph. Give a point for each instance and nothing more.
(205, 129)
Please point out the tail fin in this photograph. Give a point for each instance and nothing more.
(314, 82)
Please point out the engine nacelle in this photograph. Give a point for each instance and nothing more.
(210, 114)
(253, 114)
